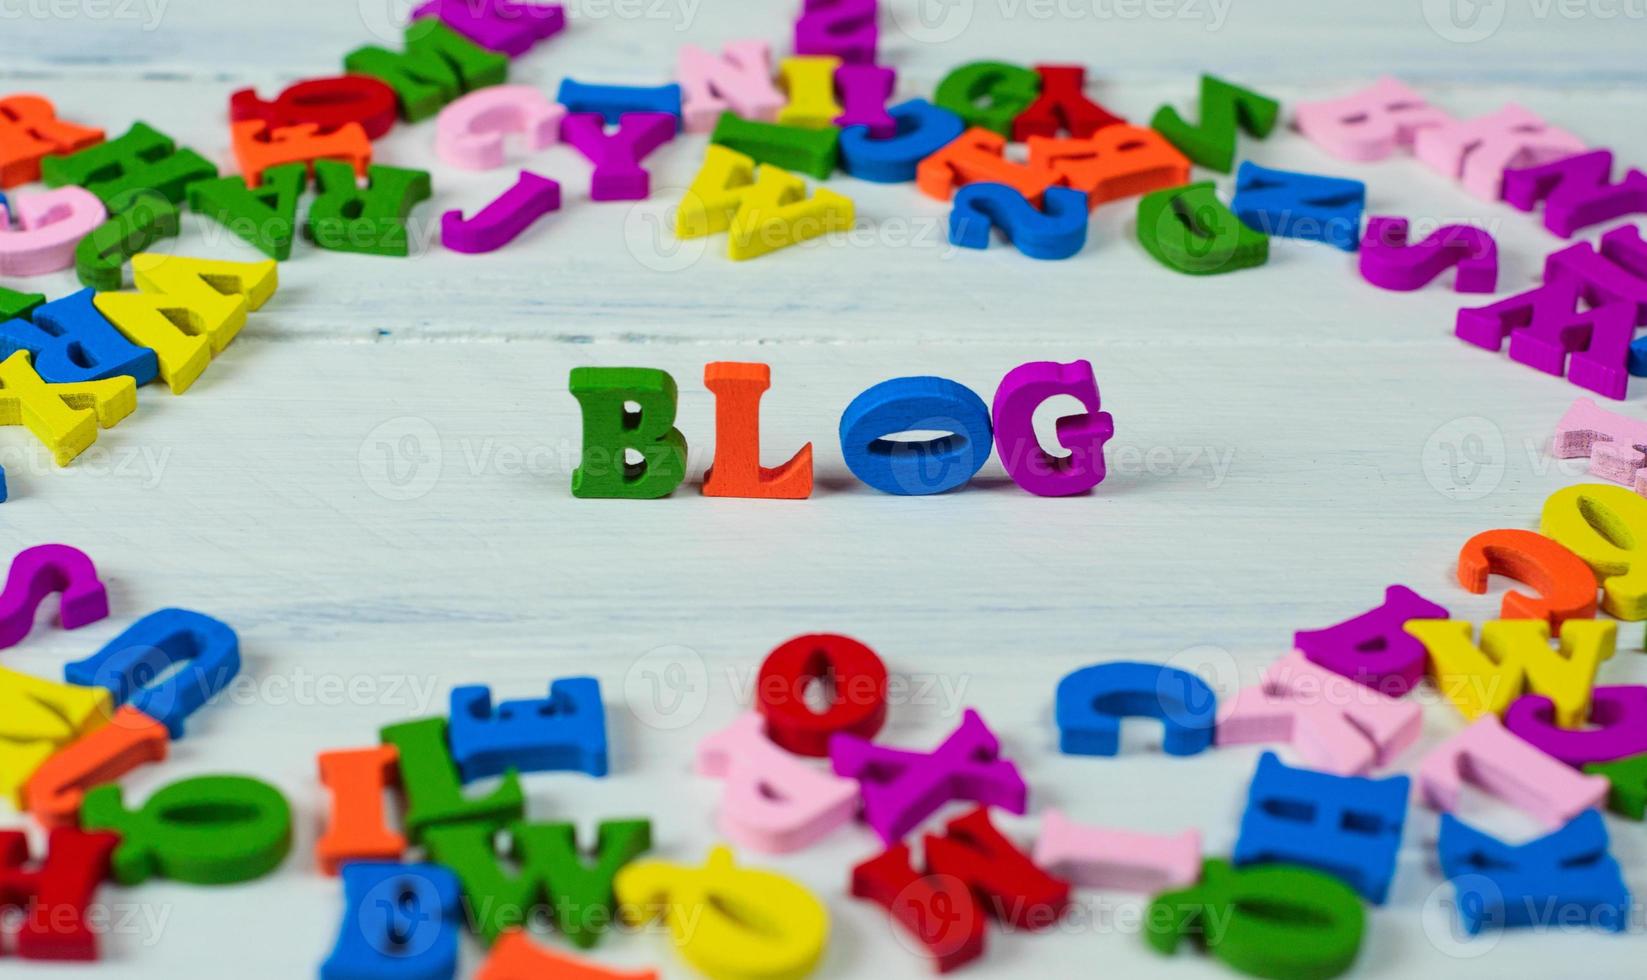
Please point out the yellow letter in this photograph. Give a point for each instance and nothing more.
(1514, 658)
(730, 923)
(763, 213)
(187, 309)
(810, 82)
(63, 416)
(39, 717)
(776, 213)
(1607, 527)
(715, 194)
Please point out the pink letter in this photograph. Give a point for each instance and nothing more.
(1476, 152)
(1370, 124)
(739, 80)
(1098, 857)
(1334, 723)
(470, 131)
(774, 801)
(1488, 756)
(53, 223)
(1616, 444)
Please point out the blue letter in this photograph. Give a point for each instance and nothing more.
(916, 404)
(148, 648)
(400, 921)
(1093, 700)
(1290, 205)
(567, 730)
(72, 342)
(923, 129)
(1345, 826)
(1500, 885)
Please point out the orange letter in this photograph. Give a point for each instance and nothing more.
(979, 156)
(1115, 162)
(516, 957)
(737, 470)
(259, 146)
(358, 831)
(130, 739)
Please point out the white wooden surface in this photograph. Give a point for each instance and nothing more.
(371, 485)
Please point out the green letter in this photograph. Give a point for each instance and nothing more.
(371, 220)
(434, 793)
(1223, 107)
(988, 93)
(438, 66)
(211, 830)
(1188, 229)
(609, 429)
(1270, 920)
(551, 870)
(266, 217)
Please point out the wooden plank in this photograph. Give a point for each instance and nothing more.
(371, 484)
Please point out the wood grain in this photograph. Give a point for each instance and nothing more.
(371, 484)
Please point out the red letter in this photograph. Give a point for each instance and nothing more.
(1016, 891)
(330, 103)
(939, 912)
(54, 896)
(1062, 103)
(858, 705)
